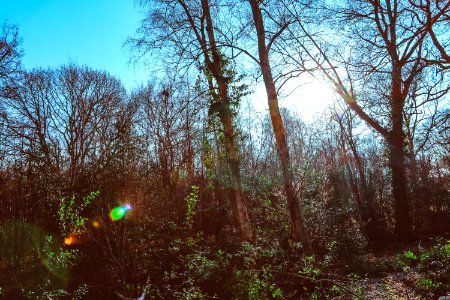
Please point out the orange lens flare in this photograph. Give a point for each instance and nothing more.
(69, 240)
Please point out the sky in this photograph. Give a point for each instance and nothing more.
(92, 32)
(307, 96)
(84, 32)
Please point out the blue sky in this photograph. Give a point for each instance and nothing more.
(84, 32)
(92, 32)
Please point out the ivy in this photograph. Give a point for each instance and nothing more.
(191, 200)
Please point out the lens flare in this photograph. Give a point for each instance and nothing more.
(119, 212)
(96, 224)
(69, 240)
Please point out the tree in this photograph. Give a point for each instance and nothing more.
(10, 56)
(59, 120)
(10, 67)
(85, 101)
(168, 123)
(30, 138)
(188, 27)
(388, 50)
(298, 226)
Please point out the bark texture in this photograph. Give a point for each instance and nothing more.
(295, 213)
(214, 63)
(397, 161)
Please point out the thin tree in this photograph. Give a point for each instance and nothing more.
(295, 212)
(189, 28)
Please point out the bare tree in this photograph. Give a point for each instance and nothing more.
(188, 27)
(85, 101)
(10, 57)
(168, 124)
(58, 118)
(389, 50)
(295, 212)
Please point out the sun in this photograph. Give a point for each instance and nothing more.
(309, 97)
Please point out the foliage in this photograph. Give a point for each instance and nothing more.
(58, 260)
(408, 258)
(72, 130)
(434, 267)
(69, 214)
(191, 200)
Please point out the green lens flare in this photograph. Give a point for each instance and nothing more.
(119, 212)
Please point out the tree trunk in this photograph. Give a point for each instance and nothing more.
(295, 213)
(215, 66)
(397, 165)
(346, 137)
(233, 163)
(232, 156)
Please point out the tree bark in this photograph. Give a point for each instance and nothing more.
(215, 66)
(397, 165)
(236, 186)
(295, 213)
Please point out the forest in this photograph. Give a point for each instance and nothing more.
(182, 189)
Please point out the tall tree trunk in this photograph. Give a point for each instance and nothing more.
(397, 165)
(215, 66)
(295, 213)
(222, 107)
(236, 186)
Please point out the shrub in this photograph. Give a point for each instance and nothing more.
(434, 266)
(408, 258)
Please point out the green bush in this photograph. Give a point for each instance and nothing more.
(408, 258)
(434, 267)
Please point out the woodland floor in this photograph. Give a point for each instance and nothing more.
(393, 281)
(386, 279)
